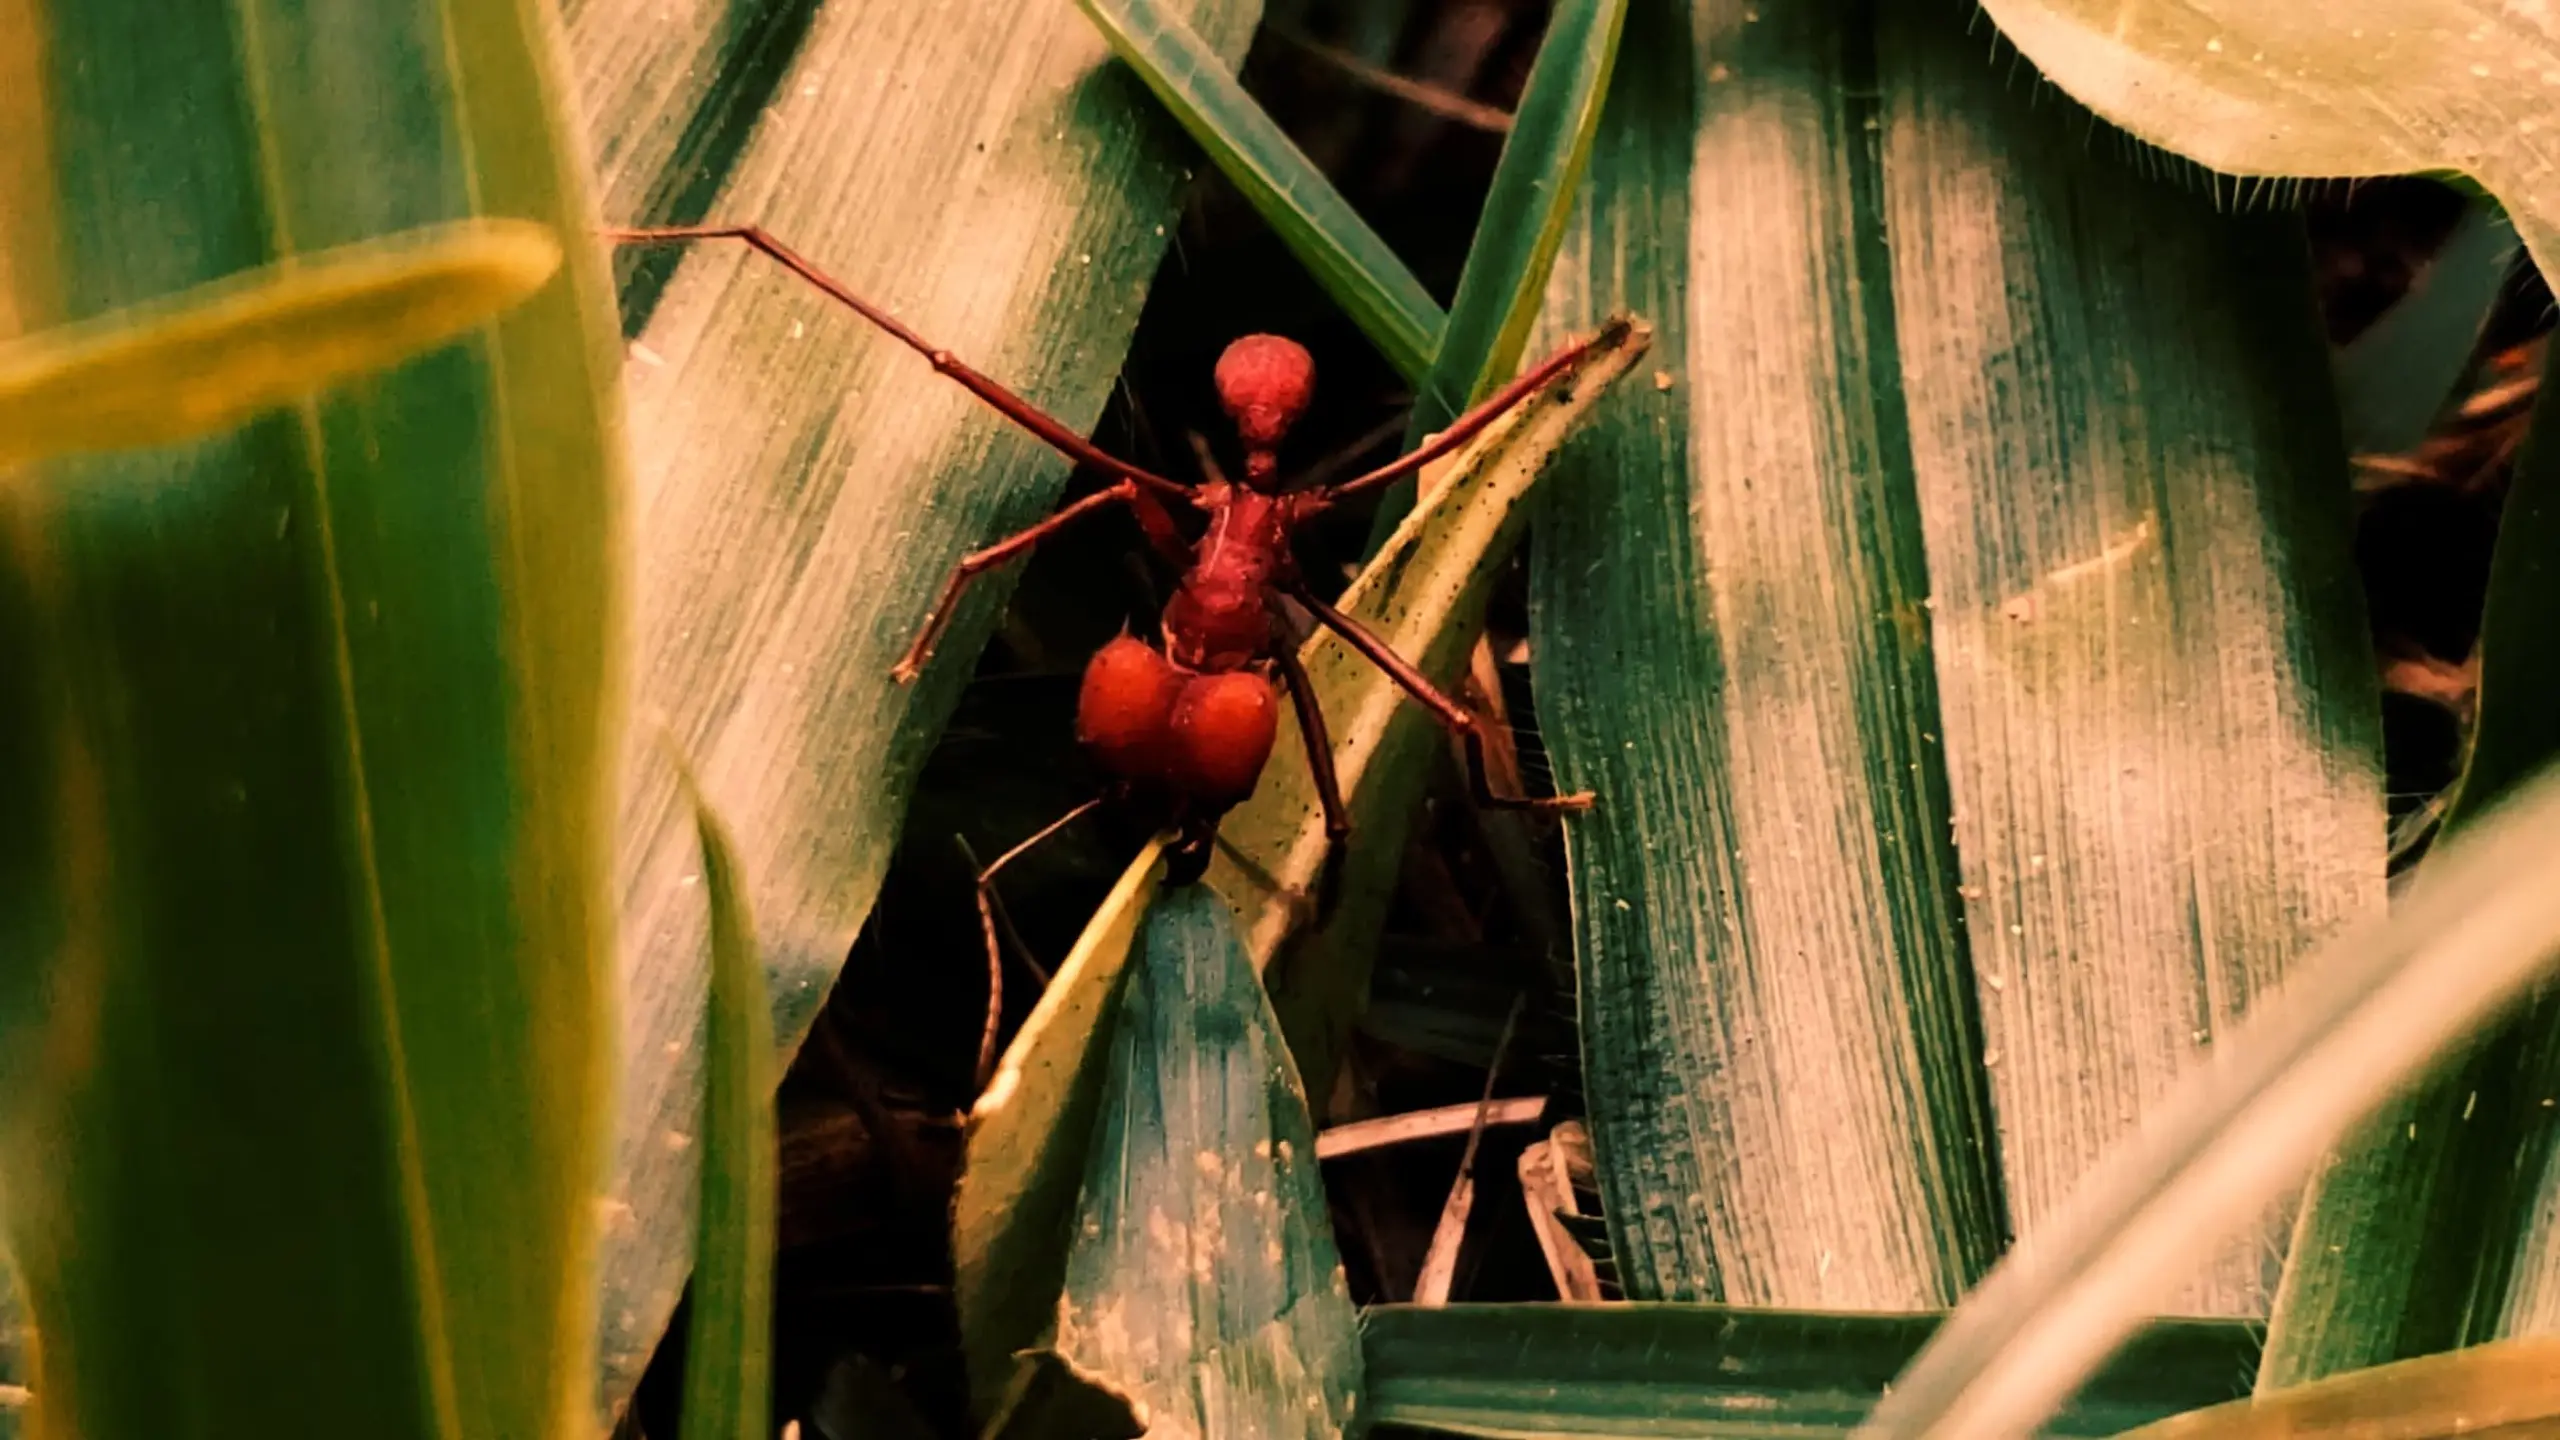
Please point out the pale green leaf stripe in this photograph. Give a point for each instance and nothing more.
(1346, 257)
(1526, 210)
(1729, 645)
(2155, 680)
(2357, 1021)
(207, 358)
(808, 483)
(728, 1340)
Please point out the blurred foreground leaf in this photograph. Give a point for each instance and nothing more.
(2348, 88)
(2354, 1024)
(805, 483)
(1513, 1372)
(210, 357)
(305, 1052)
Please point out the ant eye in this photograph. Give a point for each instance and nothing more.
(1265, 382)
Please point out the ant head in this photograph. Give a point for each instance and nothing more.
(1264, 382)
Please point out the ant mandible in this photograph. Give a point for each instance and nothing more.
(1192, 722)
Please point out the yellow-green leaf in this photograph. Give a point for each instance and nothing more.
(305, 1045)
(1028, 1137)
(207, 358)
(2482, 1390)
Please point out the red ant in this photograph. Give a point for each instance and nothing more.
(1190, 724)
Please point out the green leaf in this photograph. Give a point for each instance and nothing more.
(210, 357)
(2356, 87)
(2359, 1020)
(311, 724)
(1027, 1143)
(2518, 732)
(808, 483)
(1284, 187)
(2469, 1392)
(1962, 626)
(2395, 377)
(1504, 282)
(1514, 1372)
(1201, 1274)
(1423, 593)
(729, 1339)
(2433, 1229)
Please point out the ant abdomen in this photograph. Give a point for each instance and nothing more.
(1222, 730)
(1204, 736)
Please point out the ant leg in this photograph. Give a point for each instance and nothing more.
(1464, 428)
(1013, 407)
(979, 562)
(1337, 816)
(1451, 715)
(995, 950)
(1157, 524)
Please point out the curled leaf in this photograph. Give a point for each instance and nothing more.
(209, 357)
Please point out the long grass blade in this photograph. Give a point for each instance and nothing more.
(1355, 267)
(729, 1340)
(2395, 377)
(1526, 210)
(1928, 695)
